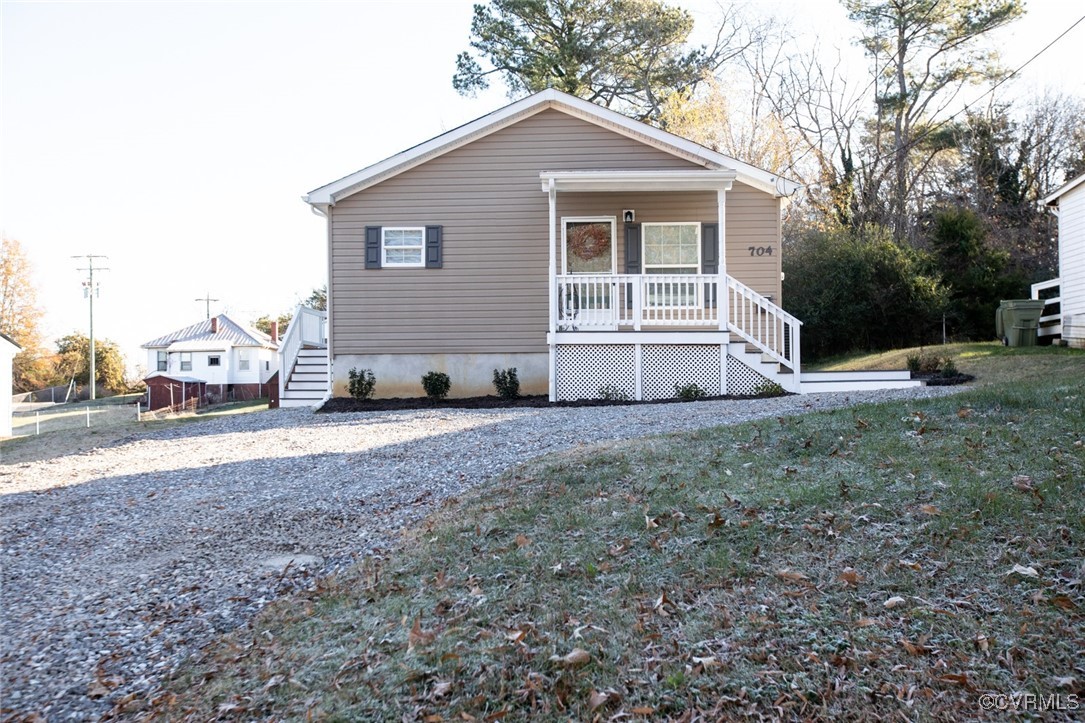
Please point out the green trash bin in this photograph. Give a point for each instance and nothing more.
(1016, 321)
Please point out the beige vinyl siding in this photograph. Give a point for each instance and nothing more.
(491, 295)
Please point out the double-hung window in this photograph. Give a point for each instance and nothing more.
(242, 360)
(186, 361)
(671, 249)
(163, 361)
(403, 247)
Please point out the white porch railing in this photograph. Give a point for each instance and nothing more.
(601, 302)
(606, 302)
(1049, 323)
(764, 324)
(307, 329)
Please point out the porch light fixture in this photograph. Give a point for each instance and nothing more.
(629, 215)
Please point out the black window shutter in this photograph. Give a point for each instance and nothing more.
(632, 258)
(372, 247)
(632, 248)
(434, 253)
(710, 248)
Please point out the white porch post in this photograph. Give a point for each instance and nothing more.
(722, 295)
(553, 292)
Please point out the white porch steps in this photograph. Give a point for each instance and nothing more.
(856, 381)
(307, 383)
(815, 382)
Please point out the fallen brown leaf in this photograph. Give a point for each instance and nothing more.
(417, 636)
(573, 659)
(893, 602)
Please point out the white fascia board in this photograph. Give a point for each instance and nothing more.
(1063, 190)
(325, 196)
(707, 180)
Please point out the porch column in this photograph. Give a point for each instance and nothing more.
(722, 293)
(551, 291)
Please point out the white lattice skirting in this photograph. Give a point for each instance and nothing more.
(595, 371)
(742, 380)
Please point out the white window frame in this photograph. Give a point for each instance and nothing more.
(692, 294)
(566, 220)
(242, 360)
(385, 263)
(162, 361)
(644, 240)
(186, 358)
(217, 360)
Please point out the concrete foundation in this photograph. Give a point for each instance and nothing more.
(400, 375)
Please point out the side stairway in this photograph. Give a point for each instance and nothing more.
(817, 382)
(307, 383)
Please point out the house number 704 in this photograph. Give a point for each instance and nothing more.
(760, 250)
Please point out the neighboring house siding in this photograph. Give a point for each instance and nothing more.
(491, 294)
(1072, 264)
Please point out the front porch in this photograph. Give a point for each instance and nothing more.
(639, 312)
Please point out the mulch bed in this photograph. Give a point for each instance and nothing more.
(938, 380)
(347, 404)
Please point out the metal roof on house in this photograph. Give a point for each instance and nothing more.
(229, 333)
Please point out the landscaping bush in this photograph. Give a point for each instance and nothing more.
(507, 383)
(689, 392)
(437, 385)
(611, 393)
(361, 384)
(861, 293)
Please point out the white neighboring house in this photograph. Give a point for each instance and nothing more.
(230, 360)
(1068, 203)
(8, 350)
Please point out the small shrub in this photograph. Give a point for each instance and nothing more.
(507, 383)
(361, 384)
(436, 385)
(611, 393)
(768, 389)
(949, 368)
(689, 392)
(924, 362)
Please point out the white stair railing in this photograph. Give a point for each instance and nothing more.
(764, 324)
(1049, 318)
(307, 329)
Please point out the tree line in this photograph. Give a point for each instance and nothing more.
(917, 209)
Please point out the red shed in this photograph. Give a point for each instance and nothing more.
(173, 391)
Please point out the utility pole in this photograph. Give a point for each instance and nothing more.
(90, 290)
(207, 299)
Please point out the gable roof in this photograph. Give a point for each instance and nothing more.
(200, 336)
(1063, 190)
(330, 193)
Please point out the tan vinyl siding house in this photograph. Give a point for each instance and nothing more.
(495, 293)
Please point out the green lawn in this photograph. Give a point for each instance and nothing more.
(890, 561)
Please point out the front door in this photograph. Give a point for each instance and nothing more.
(589, 296)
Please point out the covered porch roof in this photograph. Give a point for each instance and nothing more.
(638, 180)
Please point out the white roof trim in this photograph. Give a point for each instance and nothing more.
(1064, 189)
(707, 180)
(328, 194)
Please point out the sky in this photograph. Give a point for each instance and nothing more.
(177, 138)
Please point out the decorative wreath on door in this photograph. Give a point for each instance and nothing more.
(589, 241)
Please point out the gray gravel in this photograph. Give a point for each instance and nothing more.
(120, 562)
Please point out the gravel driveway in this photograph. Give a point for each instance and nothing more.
(120, 562)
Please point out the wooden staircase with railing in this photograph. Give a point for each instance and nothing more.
(303, 360)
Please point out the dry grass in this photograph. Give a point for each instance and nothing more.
(74, 438)
(891, 561)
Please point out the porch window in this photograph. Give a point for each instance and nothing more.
(403, 247)
(671, 248)
(163, 361)
(589, 245)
